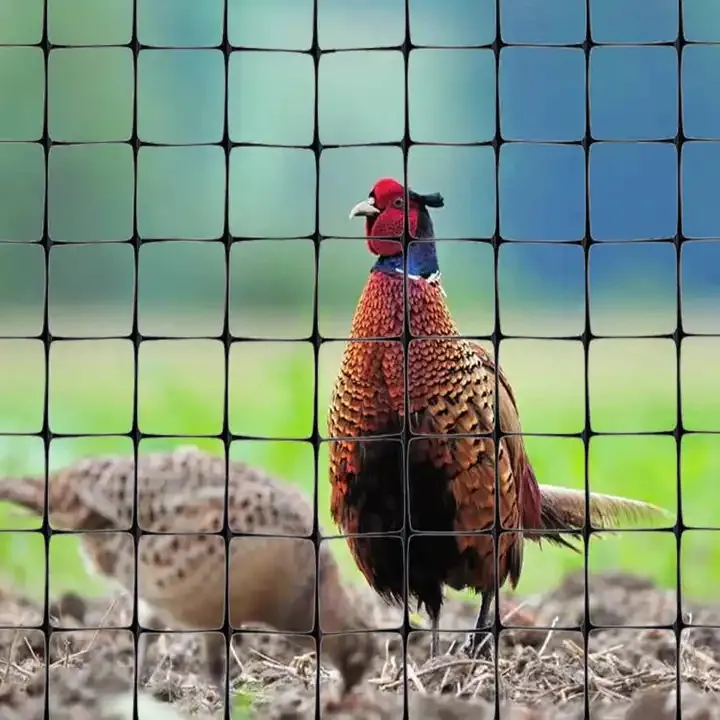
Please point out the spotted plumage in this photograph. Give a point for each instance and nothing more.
(182, 565)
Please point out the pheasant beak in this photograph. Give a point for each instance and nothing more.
(364, 209)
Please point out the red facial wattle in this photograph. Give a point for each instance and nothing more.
(389, 223)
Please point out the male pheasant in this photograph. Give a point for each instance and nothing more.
(451, 460)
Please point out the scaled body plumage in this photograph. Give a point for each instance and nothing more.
(451, 412)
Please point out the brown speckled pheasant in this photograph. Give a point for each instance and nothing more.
(451, 392)
(181, 577)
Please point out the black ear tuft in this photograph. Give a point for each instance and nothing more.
(432, 200)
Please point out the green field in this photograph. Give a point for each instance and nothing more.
(271, 394)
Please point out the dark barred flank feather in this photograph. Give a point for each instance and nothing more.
(451, 394)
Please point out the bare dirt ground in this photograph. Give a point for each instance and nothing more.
(632, 671)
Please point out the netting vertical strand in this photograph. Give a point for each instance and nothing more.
(586, 339)
(679, 139)
(227, 344)
(316, 342)
(46, 339)
(496, 241)
(136, 530)
(406, 142)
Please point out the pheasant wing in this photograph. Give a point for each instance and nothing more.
(452, 395)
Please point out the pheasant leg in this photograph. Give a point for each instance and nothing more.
(434, 636)
(141, 669)
(215, 655)
(471, 646)
(149, 620)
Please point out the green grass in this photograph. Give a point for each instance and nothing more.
(271, 393)
(242, 705)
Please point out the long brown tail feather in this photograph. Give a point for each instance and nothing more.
(564, 509)
(28, 492)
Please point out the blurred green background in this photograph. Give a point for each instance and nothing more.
(181, 187)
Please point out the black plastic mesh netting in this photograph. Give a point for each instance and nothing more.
(319, 433)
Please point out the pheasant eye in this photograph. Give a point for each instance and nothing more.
(398, 202)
